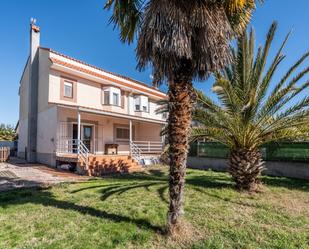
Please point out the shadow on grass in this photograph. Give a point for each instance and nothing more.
(128, 182)
(284, 182)
(45, 197)
(206, 181)
(118, 190)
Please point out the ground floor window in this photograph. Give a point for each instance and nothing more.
(122, 133)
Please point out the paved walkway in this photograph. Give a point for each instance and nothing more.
(19, 174)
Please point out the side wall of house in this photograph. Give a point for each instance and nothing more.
(47, 115)
(46, 139)
(23, 112)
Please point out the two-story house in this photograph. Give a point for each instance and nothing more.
(72, 111)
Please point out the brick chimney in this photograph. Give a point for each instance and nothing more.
(33, 91)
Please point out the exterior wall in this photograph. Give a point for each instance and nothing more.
(273, 168)
(47, 134)
(43, 87)
(22, 137)
(153, 106)
(105, 129)
(23, 112)
(46, 119)
(148, 131)
(90, 95)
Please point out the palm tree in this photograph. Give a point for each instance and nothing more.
(181, 40)
(251, 112)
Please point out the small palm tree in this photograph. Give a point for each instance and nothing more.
(181, 40)
(251, 112)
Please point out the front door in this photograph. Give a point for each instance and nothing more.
(75, 134)
(86, 136)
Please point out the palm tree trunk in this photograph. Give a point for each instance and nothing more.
(181, 98)
(246, 166)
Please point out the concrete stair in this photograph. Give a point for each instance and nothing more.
(99, 165)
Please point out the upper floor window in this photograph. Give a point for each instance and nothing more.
(111, 96)
(68, 89)
(106, 98)
(141, 103)
(115, 99)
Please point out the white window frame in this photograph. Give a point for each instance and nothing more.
(141, 103)
(106, 101)
(112, 91)
(117, 99)
(68, 84)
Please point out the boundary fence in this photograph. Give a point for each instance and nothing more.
(4, 154)
(284, 151)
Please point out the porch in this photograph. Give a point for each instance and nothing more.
(83, 136)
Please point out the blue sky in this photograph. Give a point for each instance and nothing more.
(80, 29)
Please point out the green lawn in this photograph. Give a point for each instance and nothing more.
(129, 211)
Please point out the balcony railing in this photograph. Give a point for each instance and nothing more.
(149, 147)
(96, 146)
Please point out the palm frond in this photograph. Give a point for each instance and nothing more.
(127, 15)
(170, 32)
(250, 113)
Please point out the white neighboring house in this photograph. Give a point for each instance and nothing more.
(68, 107)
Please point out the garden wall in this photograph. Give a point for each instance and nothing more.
(11, 144)
(298, 170)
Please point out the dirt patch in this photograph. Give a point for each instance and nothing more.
(294, 203)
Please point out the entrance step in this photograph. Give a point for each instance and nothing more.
(99, 165)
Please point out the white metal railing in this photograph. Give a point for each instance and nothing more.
(96, 146)
(149, 147)
(135, 152)
(65, 145)
(83, 152)
(73, 146)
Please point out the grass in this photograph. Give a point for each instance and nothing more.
(129, 211)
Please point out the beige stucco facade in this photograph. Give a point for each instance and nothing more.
(57, 113)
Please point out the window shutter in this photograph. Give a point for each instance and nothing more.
(122, 99)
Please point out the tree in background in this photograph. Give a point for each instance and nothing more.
(181, 40)
(251, 112)
(7, 133)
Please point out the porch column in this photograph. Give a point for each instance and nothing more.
(78, 130)
(130, 135)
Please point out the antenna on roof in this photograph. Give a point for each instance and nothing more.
(33, 21)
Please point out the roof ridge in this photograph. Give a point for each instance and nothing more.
(103, 70)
